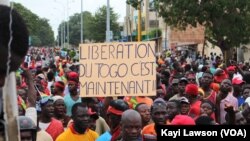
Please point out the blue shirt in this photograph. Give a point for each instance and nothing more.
(241, 100)
(104, 137)
(69, 102)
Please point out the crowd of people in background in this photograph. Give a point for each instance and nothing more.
(192, 93)
(189, 92)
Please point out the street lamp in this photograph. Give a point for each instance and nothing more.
(81, 24)
(65, 21)
(62, 27)
(108, 23)
(68, 22)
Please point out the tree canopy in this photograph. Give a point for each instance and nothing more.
(134, 3)
(226, 21)
(94, 26)
(98, 24)
(75, 28)
(40, 31)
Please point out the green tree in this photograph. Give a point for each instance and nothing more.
(45, 33)
(36, 41)
(75, 28)
(98, 24)
(39, 29)
(134, 3)
(155, 33)
(226, 22)
(94, 27)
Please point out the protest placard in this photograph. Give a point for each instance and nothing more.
(117, 69)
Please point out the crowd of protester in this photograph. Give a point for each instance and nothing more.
(190, 91)
(195, 93)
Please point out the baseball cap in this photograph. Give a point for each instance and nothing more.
(175, 81)
(184, 100)
(183, 79)
(237, 81)
(192, 89)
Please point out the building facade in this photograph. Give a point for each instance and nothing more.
(154, 29)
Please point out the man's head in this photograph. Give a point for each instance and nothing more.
(165, 74)
(144, 111)
(207, 108)
(185, 105)
(73, 76)
(59, 87)
(191, 77)
(115, 110)
(175, 83)
(91, 102)
(59, 106)
(47, 107)
(206, 79)
(237, 86)
(131, 125)
(191, 92)
(204, 120)
(182, 84)
(19, 44)
(231, 70)
(80, 117)
(27, 129)
(246, 91)
(226, 86)
(158, 112)
(173, 109)
(72, 86)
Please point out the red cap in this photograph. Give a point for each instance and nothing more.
(73, 75)
(114, 111)
(231, 68)
(191, 89)
(182, 120)
(58, 84)
(237, 81)
(219, 78)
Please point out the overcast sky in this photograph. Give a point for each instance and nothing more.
(56, 10)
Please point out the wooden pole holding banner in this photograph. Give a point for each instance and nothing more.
(10, 103)
(10, 108)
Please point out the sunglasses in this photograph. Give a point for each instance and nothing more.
(191, 79)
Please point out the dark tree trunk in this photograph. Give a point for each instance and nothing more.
(227, 55)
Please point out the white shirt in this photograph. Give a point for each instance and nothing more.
(44, 126)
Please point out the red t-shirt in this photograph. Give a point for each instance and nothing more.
(195, 109)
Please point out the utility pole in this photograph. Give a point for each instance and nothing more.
(68, 22)
(81, 24)
(64, 35)
(61, 35)
(108, 23)
(139, 20)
